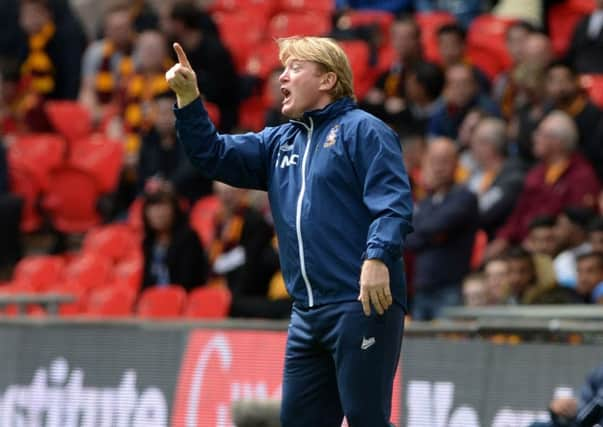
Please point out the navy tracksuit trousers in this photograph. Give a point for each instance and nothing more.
(340, 362)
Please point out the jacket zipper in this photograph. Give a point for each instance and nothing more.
(300, 199)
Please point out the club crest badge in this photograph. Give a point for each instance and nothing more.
(331, 137)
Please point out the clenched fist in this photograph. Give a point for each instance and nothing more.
(182, 79)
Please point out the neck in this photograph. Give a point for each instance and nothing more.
(556, 158)
(164, 237)
(493, 164)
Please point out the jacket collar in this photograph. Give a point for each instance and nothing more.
(331, 111)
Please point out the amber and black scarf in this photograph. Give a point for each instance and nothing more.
(106, 85)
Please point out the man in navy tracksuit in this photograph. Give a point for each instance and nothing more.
(342, 207)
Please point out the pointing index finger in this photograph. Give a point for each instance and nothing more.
(182, 59)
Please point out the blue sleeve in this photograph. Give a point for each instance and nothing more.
(591, 392)
(238, 160)
(385, 190)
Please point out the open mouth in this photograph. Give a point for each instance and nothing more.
(286, 94)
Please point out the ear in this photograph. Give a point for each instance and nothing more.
(328, 81)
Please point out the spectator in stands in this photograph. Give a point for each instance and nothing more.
(243, 253)
(584, 51)
(444, 223)
(172, 251)
(571, 236)
(423, 86)
(468, 166)
(561, 178)
(107, 63)
(595, 234)
(162, 156)
(590, 276)
(499, 180)
(525, 284)
(464, 11)
(587, 410)
(564, 93)
(540, 239)
(496, 273)
(461, 95)
(386, 99)
(504, 91)
(523, 99)
(452, 50)
(50, 62)
(209, 58)
(151, 61)
(475, 292)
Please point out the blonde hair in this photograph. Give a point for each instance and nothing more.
(324, 51)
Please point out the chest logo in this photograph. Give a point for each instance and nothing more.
(331, 137)
(289, 160)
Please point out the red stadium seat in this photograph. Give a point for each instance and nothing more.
(563, 18)
(209, 302)
(39, 154)
(115, 241)
(593, 84)
(325, 7)
(213, 112)
(129, 272)
(241, 32)
(88, 271)
(358, 54)
(71, 201)
(111, 301)
(381, 18)
(162, 302)
(71, 119)
(263, 7)
(298, 24)
(135, 214)
(486, 44)
(71, 288)
(430, 22)
(252, 113)
(263, 60)
(101, 157)
(39, 272)
(203, 217)
(17, 287)
(479, 247)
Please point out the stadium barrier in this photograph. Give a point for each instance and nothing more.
(67, 372)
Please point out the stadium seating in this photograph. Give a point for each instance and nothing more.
(39, 272)
(70, 118)
(101, 157)
(486, 44)
(88, 271)
(115, 241)
(298, 24)
(129, 272)
(358, 54)
(111, 301)
(208, 302)
(263, 7)
(162, 302)
(202, 218)
(380, 18)
(325, 7)
(71, 201)
(562, 18)
(430, 22)
(24, 184)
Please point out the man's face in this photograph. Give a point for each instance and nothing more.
(595, 239)
(405, 40)
(542, 240)
(150, 52)
(118, 28)
(590, 274)
(561, 87)
(564, 231)
(460, 86)
(440, 165)
(521, 274)
(481, 147)
(497, 280)
(516, 37)
(302, 87)
(451, 49)
(33, 17)
(545, 140)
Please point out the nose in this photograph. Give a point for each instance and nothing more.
(284, 76)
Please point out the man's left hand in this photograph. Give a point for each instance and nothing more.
(374, 287)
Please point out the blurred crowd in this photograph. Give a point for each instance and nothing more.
(506, 162)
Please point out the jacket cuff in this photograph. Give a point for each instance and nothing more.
(381, 254)
(191, 111)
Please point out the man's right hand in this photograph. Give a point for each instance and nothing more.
(182, 79)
